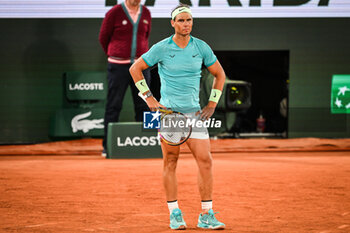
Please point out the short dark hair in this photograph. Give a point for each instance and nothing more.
(179, 6)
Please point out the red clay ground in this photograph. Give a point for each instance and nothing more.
(91, 146)
(254, 192)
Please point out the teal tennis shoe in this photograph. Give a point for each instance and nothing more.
(176, 220)
(208, 221)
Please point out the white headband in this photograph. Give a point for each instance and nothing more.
(180, 10)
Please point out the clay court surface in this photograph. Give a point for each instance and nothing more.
(269, 191)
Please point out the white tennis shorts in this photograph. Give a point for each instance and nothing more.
(197, 132)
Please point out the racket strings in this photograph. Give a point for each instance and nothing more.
(174, 128)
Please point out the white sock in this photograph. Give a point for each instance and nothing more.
(172, 205)
(207, 205)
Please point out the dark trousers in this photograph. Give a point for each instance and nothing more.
(119, 79)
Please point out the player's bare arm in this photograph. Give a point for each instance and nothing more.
(136, 74)
(218, 72)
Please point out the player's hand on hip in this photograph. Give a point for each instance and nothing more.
(153, 104)
(207, 111)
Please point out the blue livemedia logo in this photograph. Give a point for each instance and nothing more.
(151, 120)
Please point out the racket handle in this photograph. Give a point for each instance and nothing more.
(167, 111)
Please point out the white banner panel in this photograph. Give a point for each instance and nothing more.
(162, 8)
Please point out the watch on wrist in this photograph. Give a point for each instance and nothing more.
(148, 94)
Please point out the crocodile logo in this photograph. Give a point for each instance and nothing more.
(85, 125)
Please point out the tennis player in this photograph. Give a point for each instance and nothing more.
(180, 58)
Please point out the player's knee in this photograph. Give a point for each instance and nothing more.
(170, 164)
(205, 162)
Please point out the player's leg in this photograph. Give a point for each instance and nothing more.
(118, 80)
(200, 149)
(170, 158)
(139, 105)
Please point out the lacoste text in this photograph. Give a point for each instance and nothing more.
(86, 86)
(139, 141)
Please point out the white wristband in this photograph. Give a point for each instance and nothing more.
(142, 86)
(215, 95)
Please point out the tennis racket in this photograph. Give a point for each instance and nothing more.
(175, 127)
